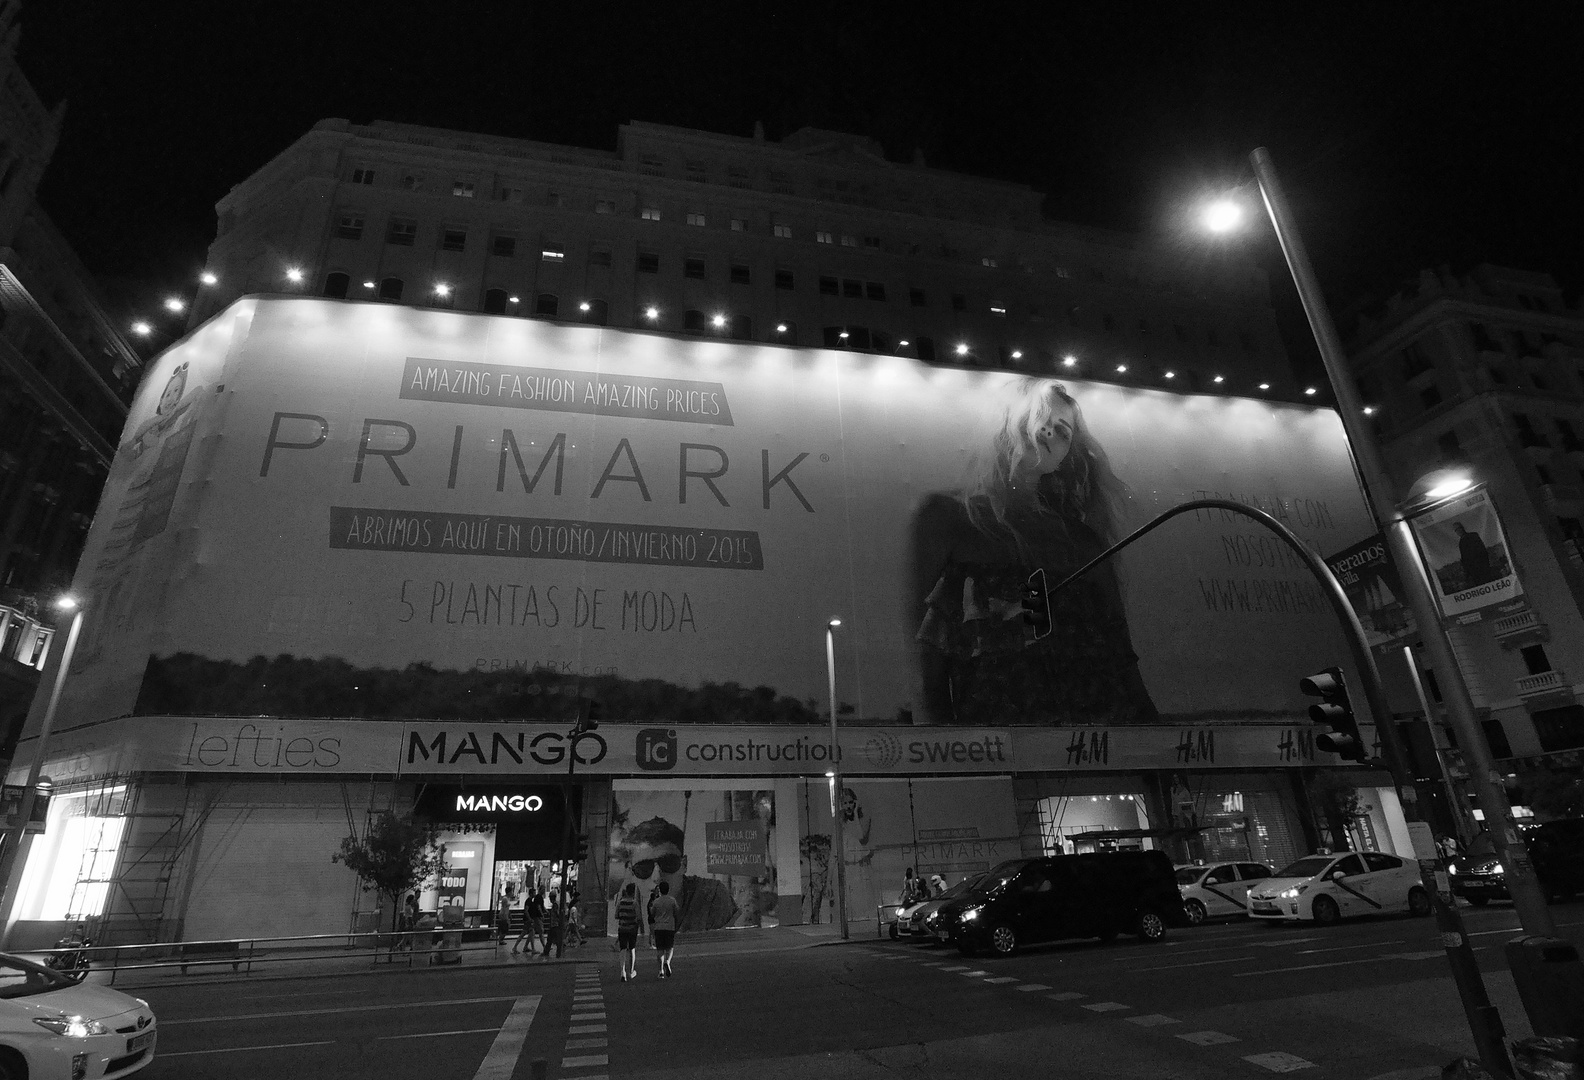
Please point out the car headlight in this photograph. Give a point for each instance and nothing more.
(1497, 869)
(970, 915)
(73, 1027)
(1294, 893)
(1452, 868)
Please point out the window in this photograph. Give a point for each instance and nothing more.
(652, 167)
(786, 336)
(697, 172)
(823, 237)
(391, 289)
(1000, 312)
(546, 304)
(872, 243)
(504, 246)
(453, 239)
(852, 290)
(651, 213)
(509, 194)
(739, 225)
(552, 253)
(693, 321)
(1451, 449)
(604, 206)
(1063, 272)
(832, 337)
(648, 262)
(1414, 361)
(1484, 340)
(693, 266)
(829, 287)
(849, 241)
(741, 328)
(959, 302)
(462, 189)
(1250, 871)
(739, 274)
(597, 314)
(599, 256)
(336, 285)
(1430, 396)
(552, 198)
(362, 176)
(1570, 439)
(737, 176)
(695, 218)
(874, 290)
(350, 227)
(1535, 659)
(781, 182)
(987, 261)
(1527, 435)
(784, 279)
(782, 231)
(1378, 862)
(495, 302)
(412, 182)
(401, 231)
(925, 348)
(917, 298)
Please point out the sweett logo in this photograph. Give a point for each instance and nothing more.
(656, 749)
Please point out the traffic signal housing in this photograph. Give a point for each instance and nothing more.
(1036, 606)
(590, 713)
(1334, 711)
(581, 853)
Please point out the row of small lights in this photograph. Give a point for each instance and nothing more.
(176, 305)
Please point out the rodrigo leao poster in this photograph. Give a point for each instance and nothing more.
(325, 508)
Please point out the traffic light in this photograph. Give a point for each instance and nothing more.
(1036, 606)
(1336, 712)
(582, 852)
(589, 716)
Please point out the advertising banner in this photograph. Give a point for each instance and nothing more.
(1464, 547)
(453, 887)
(1374, 588)
(345, 510)
(736, 847)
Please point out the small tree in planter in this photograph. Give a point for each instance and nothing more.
(395, 856)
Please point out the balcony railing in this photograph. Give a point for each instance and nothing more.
(1546, 682)
(1525, 626)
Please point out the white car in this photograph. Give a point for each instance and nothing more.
(1218, 890)
(1326, 888)
(52, 1027)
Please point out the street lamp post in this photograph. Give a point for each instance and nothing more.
(13, 839)
(838, 839)
(1522, 884)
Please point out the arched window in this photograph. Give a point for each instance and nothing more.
(742, 328)
(598, 313)
(495, 302)
(694, 322)
(546, 304)
(884, 342)
(925, 348)
(833, 337)
(335, 285)
(858, 338)
(391, 289)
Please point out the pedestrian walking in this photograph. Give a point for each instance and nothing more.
(629, 924)
(533, 908)
(665, 915)
(654, 894)
(553, 924)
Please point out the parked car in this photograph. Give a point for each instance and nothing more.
(1555, 847)
(1326, 888)
(54, 1027)
(1064, 896)
(915, 917)
(1218, 890)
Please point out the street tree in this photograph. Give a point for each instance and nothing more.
(395, 855)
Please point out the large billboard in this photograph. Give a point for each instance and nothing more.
(343, 510)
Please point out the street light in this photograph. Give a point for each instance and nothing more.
(1522, 885)
(294, 275)
(208, 278)
(838, 839)
(175, 305)
(1222, 215)
(13, 839)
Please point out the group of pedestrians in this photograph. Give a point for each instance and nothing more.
(543, 921)
(660, 915)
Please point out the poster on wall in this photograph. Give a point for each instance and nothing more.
(1466, 551)
(1374, 588)
(335, 509)
(707, 843)
(954, 828)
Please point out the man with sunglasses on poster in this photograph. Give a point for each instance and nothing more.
(654, 854)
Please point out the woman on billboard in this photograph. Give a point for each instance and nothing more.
(1040, 496)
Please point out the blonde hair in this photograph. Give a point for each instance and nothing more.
(1082, 490)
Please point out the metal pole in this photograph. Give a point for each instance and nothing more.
(1436, 740)
(1483, 1020)
(566, 841)
(838, 838)
(1522, 884)
(13, 839)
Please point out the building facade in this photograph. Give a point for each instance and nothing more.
(1486, 371)
(816, 239)
(66, 375)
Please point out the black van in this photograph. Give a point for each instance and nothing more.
(1065, 896)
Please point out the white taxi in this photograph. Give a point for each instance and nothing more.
(1218, 890)
(52, 1027)
(1326, 888)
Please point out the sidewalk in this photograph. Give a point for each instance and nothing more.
(306, 964)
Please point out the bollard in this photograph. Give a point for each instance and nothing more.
(1550, 979)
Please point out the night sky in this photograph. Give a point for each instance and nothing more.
(1408, 135)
